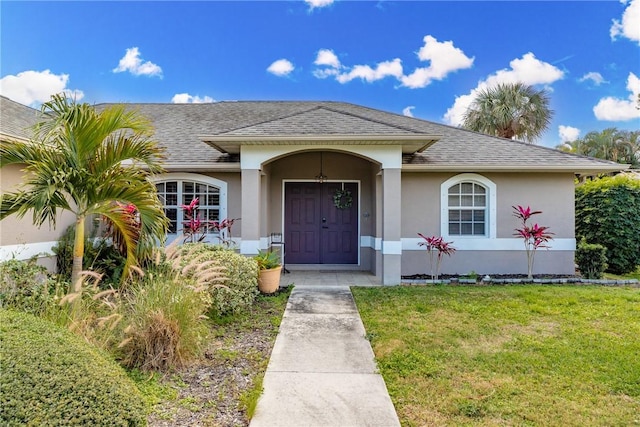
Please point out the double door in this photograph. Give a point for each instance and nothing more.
(318, 228)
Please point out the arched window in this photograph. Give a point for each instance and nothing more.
(468, 206)
(175, 190)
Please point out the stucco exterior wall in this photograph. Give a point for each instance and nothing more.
(552, 193)
(491, 262)
(21, 239)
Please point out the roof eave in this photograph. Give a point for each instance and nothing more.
(575, 169)
(202, 167)
(231, 144)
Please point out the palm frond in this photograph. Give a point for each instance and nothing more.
(508, 111)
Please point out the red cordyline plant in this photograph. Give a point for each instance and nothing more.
(129, 217)
(436, 247)
(224, 230)
(534, 236)
(195, 229)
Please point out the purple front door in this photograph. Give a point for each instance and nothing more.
(316, 231)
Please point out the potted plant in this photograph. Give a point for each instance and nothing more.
(269, 269)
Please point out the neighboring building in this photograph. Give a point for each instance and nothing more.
(349, 187)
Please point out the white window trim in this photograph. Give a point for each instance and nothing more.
(201, 179)
(491, 208)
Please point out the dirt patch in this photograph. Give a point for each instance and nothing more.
(209, 391)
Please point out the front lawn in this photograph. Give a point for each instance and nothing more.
(515, 355)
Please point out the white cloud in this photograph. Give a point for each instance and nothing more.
(528, 70)
(185, 98)
(35, 87)
(444, 58)
(328, 58)
(596, 78)
(568, 133)
(383, 69)
(313, 4)
(408, 111)
(281, 67)
(330, 63)
(629, 26)
(616, 109)
(132, 62)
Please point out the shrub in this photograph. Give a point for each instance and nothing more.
(26, 286)
(99, 256)
(164, 312)
(51, 377)
(607, 212)
(241, 286)
(591, 259)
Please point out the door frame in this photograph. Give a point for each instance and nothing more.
(283, 209)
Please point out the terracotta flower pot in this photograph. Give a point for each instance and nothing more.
(269, 280)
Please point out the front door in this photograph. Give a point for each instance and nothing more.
(316, 230)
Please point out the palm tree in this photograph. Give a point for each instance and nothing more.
(509, 110)
(89, 163)
(620, 146)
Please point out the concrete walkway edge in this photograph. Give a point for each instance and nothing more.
(322, 370)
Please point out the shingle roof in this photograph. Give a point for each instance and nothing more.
(16, 119)
(180, 127)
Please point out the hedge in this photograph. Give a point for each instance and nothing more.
(52, 377)
(608, 213)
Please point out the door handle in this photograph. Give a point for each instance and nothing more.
(325, 226)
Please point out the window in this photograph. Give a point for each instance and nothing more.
(467, 209)
(175, 190)
(468, 206)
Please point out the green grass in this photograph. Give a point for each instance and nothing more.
(517, 355)
(632, 275)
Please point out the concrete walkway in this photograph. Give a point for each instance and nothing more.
(322, 370)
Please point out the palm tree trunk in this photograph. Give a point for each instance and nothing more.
(78, 253)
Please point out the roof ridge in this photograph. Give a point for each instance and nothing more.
(328, 106)
(348, 113)
(4, 98)
(284, 116)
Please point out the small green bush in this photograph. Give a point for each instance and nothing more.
(51, 377)
(26, 286)
(241, 286)
(591, 259)
(99, 256)
(607, 212)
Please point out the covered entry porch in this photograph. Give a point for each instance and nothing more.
(363, 234)
(289, 188)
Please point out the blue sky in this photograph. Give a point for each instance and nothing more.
(420, 58)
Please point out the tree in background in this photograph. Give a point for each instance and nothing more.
(509, 110)
(620, 146)
(89, 163)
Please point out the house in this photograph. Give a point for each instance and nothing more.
(348, 187)
(19, 238)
